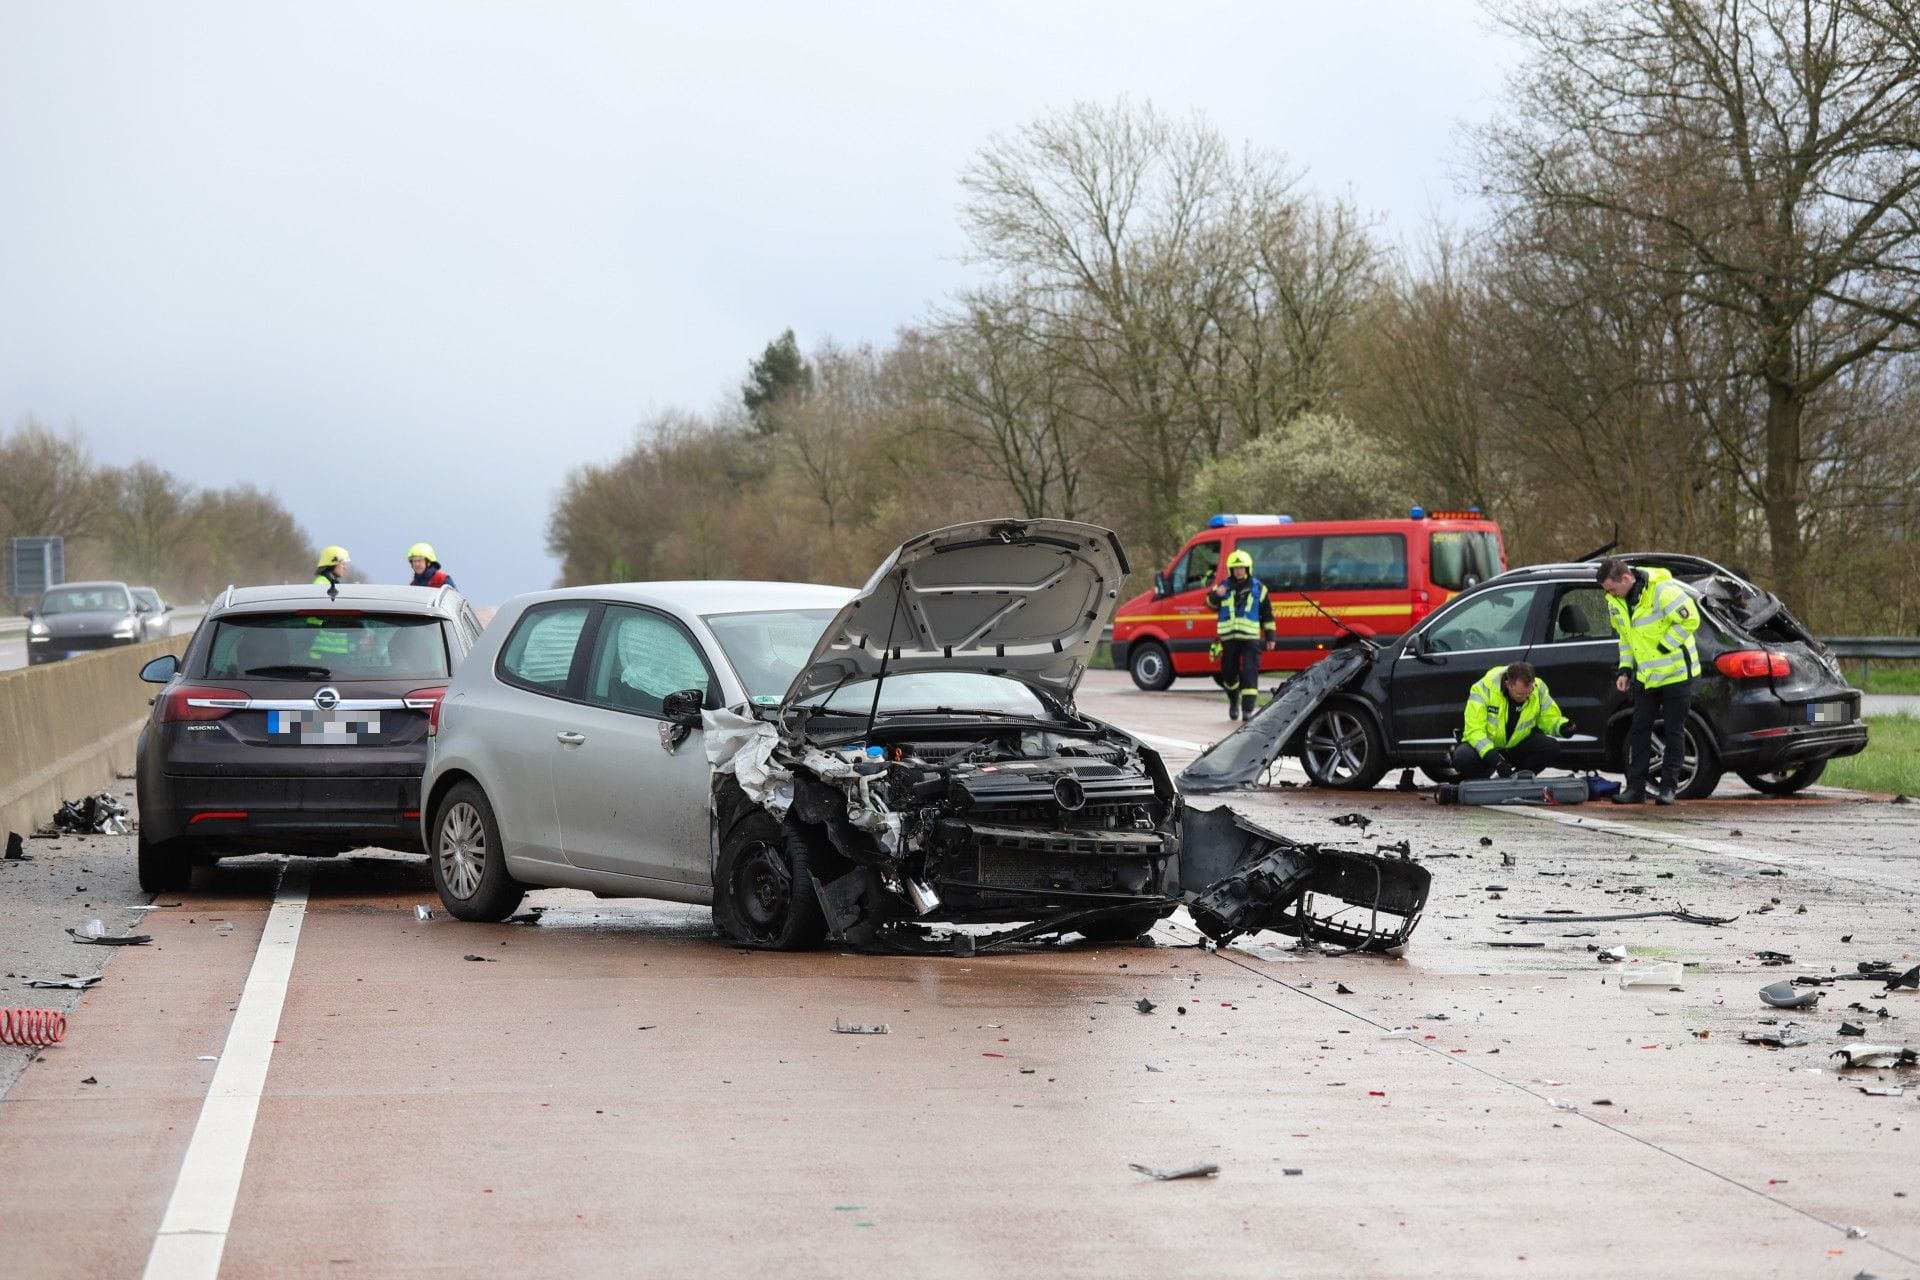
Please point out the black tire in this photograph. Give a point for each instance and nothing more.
(1697, 778)
(1784, 782)
(763, 894)
(1341, 748)
(1150, 667)
(166, 866)
(468, 860)
(1121, 928)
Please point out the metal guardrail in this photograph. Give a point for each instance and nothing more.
(1864, 649)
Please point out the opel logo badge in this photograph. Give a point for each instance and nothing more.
(1070, 795)
(327, 699)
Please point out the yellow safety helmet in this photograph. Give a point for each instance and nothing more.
(424, 550)
(331, 556)
(1239, 560)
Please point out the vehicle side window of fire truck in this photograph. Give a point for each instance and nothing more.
(1195, 570)
(1363, 561)
(1462, 558)
(1284, 564)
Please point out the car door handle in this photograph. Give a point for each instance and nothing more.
(570, 738)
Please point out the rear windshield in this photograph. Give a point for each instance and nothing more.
(1462, 557)
(321, 644)
(86, 600)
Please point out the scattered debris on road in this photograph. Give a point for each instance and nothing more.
(1680, 914)
(1145, 1005)
(101, 940)
(17, 848)
(69, 981)
(422, 911)
(1787, 1037)
(1874, 1055)
(861, 1028)
(98, 814)
(34, 1027)
(481, 959)
(1174, 1175)
(1784, 995)
(1665, 973)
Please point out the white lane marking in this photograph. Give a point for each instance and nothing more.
(193, 1233)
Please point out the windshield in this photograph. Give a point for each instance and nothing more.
(86, 600)
(938, 691)
(767, 649)
(322, 644)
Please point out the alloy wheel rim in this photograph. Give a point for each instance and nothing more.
(1336, 746)
(463, 849)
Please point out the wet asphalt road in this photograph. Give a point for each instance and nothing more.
(616, 1092)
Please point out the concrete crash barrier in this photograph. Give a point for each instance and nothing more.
(67, 727)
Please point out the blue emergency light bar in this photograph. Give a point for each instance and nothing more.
(1221, 521)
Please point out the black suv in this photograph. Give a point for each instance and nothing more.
(1771, 705)
(297, 723)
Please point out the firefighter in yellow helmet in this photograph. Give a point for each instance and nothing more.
(426, 567)
(333, 567)
(1245, 629)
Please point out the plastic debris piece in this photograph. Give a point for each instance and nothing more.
(1612, 955)
(1773, 958)
(1856, 1233)
(422, 912)
(1357, 820)
(128, 940)
(1174, 1175)
(1852, 1029)
(1874, 1055)
(1910, 980)
(861, 1028)
(1144, 1005)
(80, 983)
(1882, 1090)
(1558, 1105)
(1516, 944)
(16, 848)
(94, 928)
(1784, 995)
(1293, 1173)
(1666, 973)
(1342, 989)
(478, 959)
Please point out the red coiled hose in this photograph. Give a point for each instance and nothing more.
(38, 1027)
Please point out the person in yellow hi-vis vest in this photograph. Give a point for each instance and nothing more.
(1245, 628)
(1510, 724)
(326, 646)
(1655, 618)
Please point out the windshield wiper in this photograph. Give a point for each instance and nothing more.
(293, 671)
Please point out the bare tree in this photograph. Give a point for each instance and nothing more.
(1769, 153)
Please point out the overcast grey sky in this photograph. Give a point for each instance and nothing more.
(407, 263)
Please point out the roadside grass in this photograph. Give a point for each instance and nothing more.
(1102, 659)
(1885, 676)
(1891, 762)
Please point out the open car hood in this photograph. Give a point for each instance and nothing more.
(1026, 599)
(1239, 759)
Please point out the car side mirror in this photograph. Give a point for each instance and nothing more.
(1161, 588)
(31, 614)
(161, 669)
(143, 607)
(683, 708)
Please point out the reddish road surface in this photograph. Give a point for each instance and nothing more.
(617, 1093)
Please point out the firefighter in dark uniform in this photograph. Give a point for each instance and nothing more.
(1245, 629)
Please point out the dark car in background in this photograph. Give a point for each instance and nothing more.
(83, 617)
(1771, 704)
(296, 723)
(156, 615)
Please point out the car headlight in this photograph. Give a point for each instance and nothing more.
(38, 630)
(126, 630)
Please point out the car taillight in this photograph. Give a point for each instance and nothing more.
(428, 700)
(196, 702)
(1752, 664)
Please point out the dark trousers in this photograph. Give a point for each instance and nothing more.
(1669, 705)
(1240, 672)
(1532, 753)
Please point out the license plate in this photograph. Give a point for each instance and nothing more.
(1829, 713)
(324, 728)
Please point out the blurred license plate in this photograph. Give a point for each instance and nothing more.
(1829, 713)
(341, 728)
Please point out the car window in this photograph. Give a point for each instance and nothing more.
(148, 597)
(1195, 569)
(327, 645)
(1495, 619)
(1284, 564)
(1459, 558)
(639, 658)
(539, 653)
(86, 600)
(1579, 614)
(1363, 561)
(940, 690)
(768, 648)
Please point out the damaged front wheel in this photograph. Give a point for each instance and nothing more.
(763, 894)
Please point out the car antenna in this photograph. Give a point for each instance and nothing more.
(1370, 646)
(899, 594)
(333, 591)
(1597, 552)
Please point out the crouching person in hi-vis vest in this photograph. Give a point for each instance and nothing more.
(1655, 619)
(1245, 629)
(1510, 724)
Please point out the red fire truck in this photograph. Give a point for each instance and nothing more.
(1375, 578)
